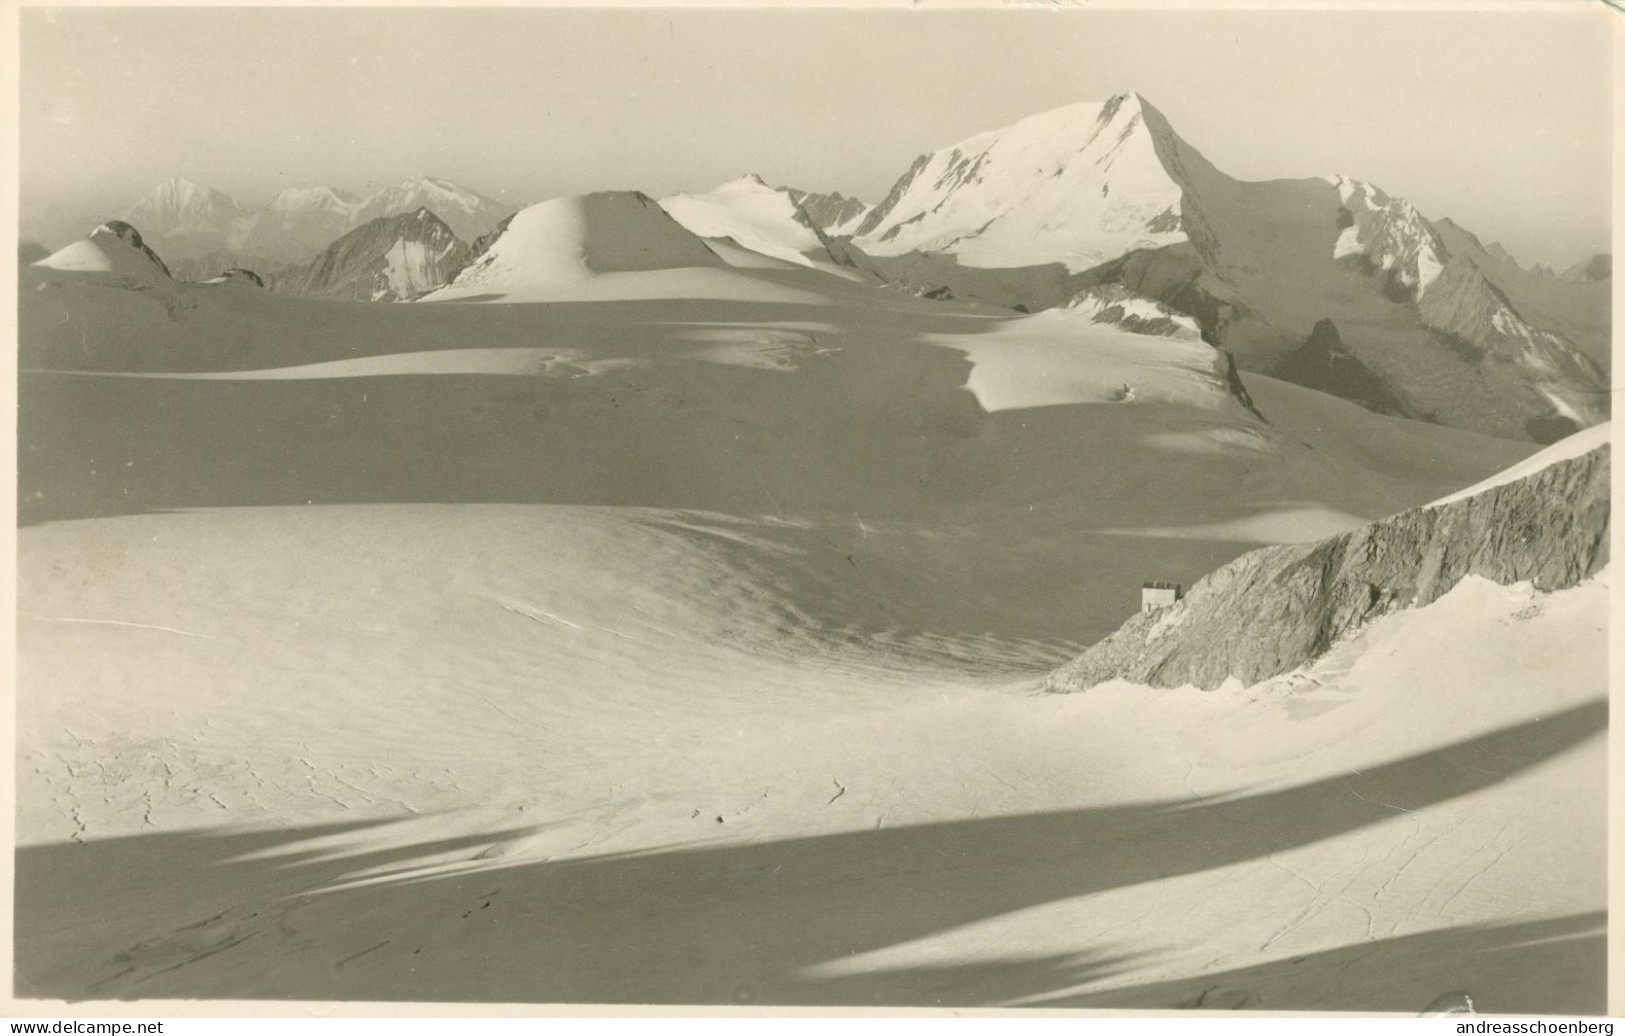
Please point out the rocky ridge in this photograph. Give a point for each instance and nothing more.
(1278, 608)
(385, 260)
(1108, 193)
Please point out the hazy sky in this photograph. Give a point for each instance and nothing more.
(1499, 120)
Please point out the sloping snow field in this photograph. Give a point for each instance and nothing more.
(684, 651)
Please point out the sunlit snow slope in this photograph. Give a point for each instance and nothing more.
(680, 649)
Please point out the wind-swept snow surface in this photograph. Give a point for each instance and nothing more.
(519, 754)
(681, 649)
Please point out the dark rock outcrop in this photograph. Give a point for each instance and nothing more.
(1325, 365)
(824, 211)
(1273, 610)
(386, 260)
(1599, 267)
(238, 275)
(132, 237)
(205, 267)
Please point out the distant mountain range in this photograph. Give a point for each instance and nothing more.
(1328, 282)
(201, 230)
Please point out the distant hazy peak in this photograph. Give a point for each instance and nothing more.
(1599, 267)
(308, 198)
(178, 195)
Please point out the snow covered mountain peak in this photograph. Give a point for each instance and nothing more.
(181, 193)
(384, 260)
(751, 182)
(753, 215)
(114, 248)
(436, 188)
(433, 182)
(569, 240)
(468, 213)
(1390, 234)
(1080, 184)
(313, 199)
(180, 209)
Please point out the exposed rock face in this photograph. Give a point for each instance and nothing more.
(833, 212)
(1273, 610)
(877, 215)
(205, 267)
(1093, 194)
(1116, 305)
(468, 213)
(300, 222)
(1324, 364)
(237, 275)
(1573, 305)
(1559, 388)
(1388, 235)
(132, 237)
(387, 260)
(483, 243)
(115, 248)
(1599, 267)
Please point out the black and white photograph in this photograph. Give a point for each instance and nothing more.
(1026, 506)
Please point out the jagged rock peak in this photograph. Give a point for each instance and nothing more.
(386, 259)
(1390, 235)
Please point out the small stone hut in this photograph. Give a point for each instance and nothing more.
(1159, 595)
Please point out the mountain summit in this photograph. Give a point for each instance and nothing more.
(468, 213)
(557, 248)
(747, 211)
(188, 221)
(114, 248)
(384, 260)
(1079, 185)
(1107, 193)
(184, 218)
